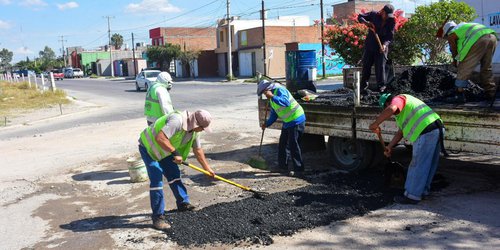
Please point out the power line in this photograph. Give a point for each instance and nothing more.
(148, 25)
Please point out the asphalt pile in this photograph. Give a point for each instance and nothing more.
(330, 198)
(429, 84)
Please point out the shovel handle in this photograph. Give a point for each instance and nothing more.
(216, 176)
(262, 136)
(380, 139)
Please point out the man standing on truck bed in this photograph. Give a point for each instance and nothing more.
(383, 23)
(471, 44)
(419, 124)
(289, 110)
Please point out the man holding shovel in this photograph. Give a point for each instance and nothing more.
(163, 145)
(419, 124)
(285, 107)
(381, 34)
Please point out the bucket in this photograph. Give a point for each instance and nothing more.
(137, 171)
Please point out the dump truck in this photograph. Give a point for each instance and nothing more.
(343, 129)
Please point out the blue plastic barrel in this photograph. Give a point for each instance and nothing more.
(298, 64)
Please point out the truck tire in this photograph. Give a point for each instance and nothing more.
(343, 154)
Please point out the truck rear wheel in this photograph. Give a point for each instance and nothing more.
(346, 156)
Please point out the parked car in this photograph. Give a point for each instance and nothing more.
(145, 78)
(77, 73)
(58, 74)
(68, 73)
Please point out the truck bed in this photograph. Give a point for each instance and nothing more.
(469, 128)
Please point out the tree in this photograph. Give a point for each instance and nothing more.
(49, 60)
(5, 58)
(422, 27)
(117, 40)
(47, 54)
(187, 59)
(163, 55)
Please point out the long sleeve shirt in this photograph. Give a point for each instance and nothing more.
(282, 98)
(385, 30)
(165, 103)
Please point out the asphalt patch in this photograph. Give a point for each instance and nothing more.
(330, 198)
(429, 84)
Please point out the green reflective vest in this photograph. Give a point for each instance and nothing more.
(154, 149)
(468, 34)
(415, 117)
(290, 113)
(152, 106)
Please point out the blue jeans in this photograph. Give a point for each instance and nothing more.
(156, 170)
(289, 147)
(423, 165)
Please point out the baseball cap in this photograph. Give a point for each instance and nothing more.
(263, 86)
(389, 10)
(200, 118)
(383, 99)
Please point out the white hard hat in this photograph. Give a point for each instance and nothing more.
(448, 27)
(164, 77)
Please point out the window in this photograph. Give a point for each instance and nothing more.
(221, 36)
(244, 41)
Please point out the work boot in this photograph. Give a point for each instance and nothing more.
(490, 97)
(296, 174)
(159, 223)
(459, 98)
(185, 206)
(402, 199)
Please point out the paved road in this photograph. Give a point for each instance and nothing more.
(119, 101)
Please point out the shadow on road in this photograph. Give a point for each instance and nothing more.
(109, 222)
(101, 175)
(135, 91)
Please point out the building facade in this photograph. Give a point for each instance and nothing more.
(250, 47)
(249, 40)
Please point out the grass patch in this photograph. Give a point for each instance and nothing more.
(19, 96)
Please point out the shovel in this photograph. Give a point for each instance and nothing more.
(257, 194)
(258, 161)
(394, 172)
(389, 68)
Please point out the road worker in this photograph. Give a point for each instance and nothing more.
(164, 145)
(285, 107)
(382, 22)
(471, 44)
(419, 124)
(158, 102)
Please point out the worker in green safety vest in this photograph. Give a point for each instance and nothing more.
(162, 146)
(285, 107)
(471, 44)
(423, 127)
(158, 102)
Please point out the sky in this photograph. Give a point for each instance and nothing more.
(27, 26)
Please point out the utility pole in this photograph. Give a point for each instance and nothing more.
(229, 49)
(110, 50)
(133, 55)
(263, 17)
(63, 51)
(322, 41)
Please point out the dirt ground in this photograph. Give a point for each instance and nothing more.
(71, 190)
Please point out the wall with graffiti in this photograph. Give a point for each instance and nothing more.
(333, 63)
